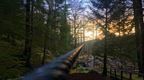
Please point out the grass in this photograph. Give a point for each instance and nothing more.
(126, 75)
(136, 77)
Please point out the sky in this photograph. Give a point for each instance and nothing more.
(89, 30)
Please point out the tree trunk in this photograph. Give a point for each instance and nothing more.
(121, 74)
(142, 35)
(83, 34)
(48, 31)
(75, 38)
(45, 48)
(94, 58)
(105, 51)
(115, 73)
(28, 33)
(137, 5)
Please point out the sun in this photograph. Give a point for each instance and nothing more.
(88, 33)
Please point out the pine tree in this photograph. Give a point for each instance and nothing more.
(106, 6)
(138, 18)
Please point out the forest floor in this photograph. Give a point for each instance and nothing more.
(86, 76)
(93, 75)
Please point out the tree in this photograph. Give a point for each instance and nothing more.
(57, 32)
(104, 6)
(76, 19)
(40, 27)
(28, 32)
(138, 18)
(11, 38)
(123, 24)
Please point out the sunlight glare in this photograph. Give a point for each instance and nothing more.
(88, 33)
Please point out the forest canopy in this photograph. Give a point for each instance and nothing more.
(35, 32)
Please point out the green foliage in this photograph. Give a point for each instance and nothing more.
(81, 69)
(11, 20)
(102, 6)
(12, 35)
(10, 65)
(123, 48)
(58, 28)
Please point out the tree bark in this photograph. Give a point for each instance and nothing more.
(105, 46)
(45, 48)
(137, 5)
(75, 38)
(28, 33)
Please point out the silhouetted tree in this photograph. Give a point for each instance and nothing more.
(138, 18)
(28, 32)
(105, 6)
